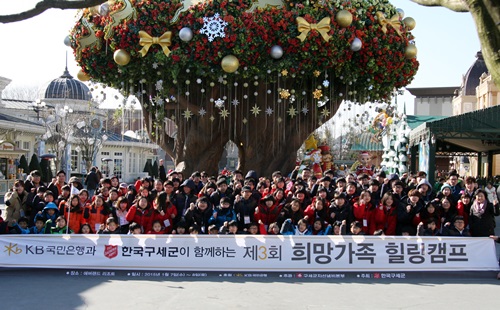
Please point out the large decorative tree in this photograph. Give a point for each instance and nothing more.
(263, 74)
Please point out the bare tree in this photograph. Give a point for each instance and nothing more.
(486, 15)
(45, 5)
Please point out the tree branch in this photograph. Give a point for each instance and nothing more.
(44, 5)
(454, 5)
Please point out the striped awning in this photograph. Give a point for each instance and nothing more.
(366, 142)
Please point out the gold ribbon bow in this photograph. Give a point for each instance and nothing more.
(394, 22)
(322, 27)
(146, 41)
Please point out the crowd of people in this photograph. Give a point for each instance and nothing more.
(237, 203)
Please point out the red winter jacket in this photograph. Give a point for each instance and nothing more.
(365, 214)
(143, 217)
(386, 219)
(267, 215)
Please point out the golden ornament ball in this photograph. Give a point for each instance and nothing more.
(411, 51)
(230, 63)
(344, 18)
(82, 76)
(121, 57)
(410, 23)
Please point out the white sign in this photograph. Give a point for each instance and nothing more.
(248, 253)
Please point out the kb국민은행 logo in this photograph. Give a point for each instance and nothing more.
(110, 251)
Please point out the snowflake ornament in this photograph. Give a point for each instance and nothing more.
(202, 112)
(292, 111)
(269, 111)
(326, 83)
(187, 114)
(325, 112)
(219, 103)
(159, 85)
(224, 113)
(235, 102)
(305, 110)
(213, 27)
(255, 110)
(155, 65)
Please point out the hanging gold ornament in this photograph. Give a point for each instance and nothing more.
(82, 76)
(317, 94)
(344, 18)
(284, 94)
(411, 51)
(410, 23)
(121, 57)
(230, 63)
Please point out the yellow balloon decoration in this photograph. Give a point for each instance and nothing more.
(82, 76)
(344, 18)
(230, 63)
(410, 23)
(121, 57)
(411, 51)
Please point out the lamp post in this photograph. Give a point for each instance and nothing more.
(65, 143)
(39, 106)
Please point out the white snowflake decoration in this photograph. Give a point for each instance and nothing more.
(202, 112)
(155, 65)
(219, 103)
(159, 85)
(214, 27)
(326, 83)
(305, 110)
(269, 111)
(220, 79)
(235, 102)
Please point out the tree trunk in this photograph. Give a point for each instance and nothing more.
(266, 141)
(486, 14)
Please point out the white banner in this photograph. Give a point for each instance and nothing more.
(248, 253)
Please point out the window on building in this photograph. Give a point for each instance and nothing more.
(26, 145)
(104, 153)
(118, 168)
(118, 154)
(74, 161)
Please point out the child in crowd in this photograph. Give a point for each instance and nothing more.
(39, 227)
(135, 229)
(364, 212)
(356, 229)
(85, 229)
(49, 212)
(157, 228)
(20, 227)
(111, 227)
(60, 228)
(301, 229)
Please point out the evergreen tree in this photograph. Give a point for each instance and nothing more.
(148, 168)
(155, 170)
(46, 171)
(34, 164)
(23, 164)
